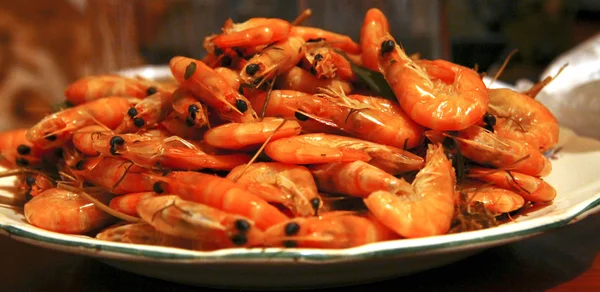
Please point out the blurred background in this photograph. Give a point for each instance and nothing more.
(46, 44)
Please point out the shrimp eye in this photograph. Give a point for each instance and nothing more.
(242, 225)
(30, 180)
(116, 140)
(20, 161)
(80, 164)
(158, 187)
(28, 196)
(132, 112)
(291, 228)
(489, 128)
(300, 116)
(226, 61)
(489, 119)
(449, 143)
(318, 57)
(241, 105)
(23, 149)
(315, 203)
(251, 69)
(138, 122)
(239, 239)
(151, 90)
(192, 109)
(387, 46)
(290, 243)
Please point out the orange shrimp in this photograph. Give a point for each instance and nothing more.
(487, 148)
(222, 194)
(56, 129)
(342, 42)
(290, 185)
(375, 27)
(172, 152)
(17, 151)
(436, 94)
(117, 175)
(427, 208)
(496, 199)
(144, 233)
(326, 148)
(187, 108)
(272, 61)
(333, 231)
(128, 203)
(63, 211)
(84, 138)
(357, 178)
(95, 87)
(38, 184)
(530, 188)
(284, 103)
(251, 33)
(231, 77)
(177, 217)
(301, 80)
(212, 89)
(325, 62)
(237, 136)
(147, 113)
(521, 117)
(363, 121)
(182, 127)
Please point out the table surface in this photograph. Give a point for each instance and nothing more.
(565, 259)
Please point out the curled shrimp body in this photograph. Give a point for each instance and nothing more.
(237, 136)
(357, 178)
(373, 30)
(222, 194)
(496, 199)
(290, 185)
(172, 215)
(117, 175)
(251, 33)
(212, 89)
(487, 148)
(63, 211)
(326, 148)
(529, 187)
(424, 209)
(330, 231)
(128, 203)
(57, 128)
(147, 113)
(436, 94)
(521, 117)
(342, 42)
(95, 87)
(300, 80)
(272, 61)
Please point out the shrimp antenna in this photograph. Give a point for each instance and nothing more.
(267, 99)
(99, 204)
(304, 15)
(503, 66)
(259, 151)
(538, 87)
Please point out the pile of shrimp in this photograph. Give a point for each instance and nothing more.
(271, 140)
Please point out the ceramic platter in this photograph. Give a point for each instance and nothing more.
(574, 176)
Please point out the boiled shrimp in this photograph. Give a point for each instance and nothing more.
(63, 211)
(144, 233)
(17, 151)
(212, 89)
(436, 94)
(325, 62)
(496, 199)
(177, 217)
(290, 185)
(529, 187)
(231, 77)
(342, 42)
(127, 204)
(251, 33)
(375, 27)
(237, 136)
(95, 87)
(333, 230)
(427, 208)
(222, 194)
(147, 113)
(301, 80)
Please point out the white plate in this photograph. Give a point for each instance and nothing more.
(574, 176)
